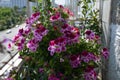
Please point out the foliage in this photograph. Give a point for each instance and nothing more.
(4, 15)
(10, 16)
(52, 49)
(90, 15)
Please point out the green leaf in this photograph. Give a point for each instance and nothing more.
(40, 1)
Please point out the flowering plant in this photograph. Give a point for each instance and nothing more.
(52, 49)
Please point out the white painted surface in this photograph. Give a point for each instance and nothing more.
(106, 20)
(15, 62)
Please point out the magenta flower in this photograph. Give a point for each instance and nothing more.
(75, 61)
(6, 44)
(42, 30)
(92, 57)
(61, 41)
(65, 27)
(16, 38)
(66, 10)
(55, 17)
(60, 75)
(61, 7)
(22, 39)
(20, 46)
(41, 70)
(36, 15)
(21, 32)
(87, 57)
(98, 39)
(32, 45)
(39, 33)
(30, 21)
(71, 34)
(105, 53)
(27, 30)
(90, 35)
(57, 45)
(90, 74)
(52, 47)
(53, 77)
(19, 41)
(9, 45)
(33, 18)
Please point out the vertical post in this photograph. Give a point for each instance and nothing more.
(43, 4)
(53, 2)
(103, 72)
(101, 8)
(28, 9)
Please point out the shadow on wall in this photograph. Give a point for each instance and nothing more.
(114, 58)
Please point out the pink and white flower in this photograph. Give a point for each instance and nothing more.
(71, 34)
(32, 45)
(67, 11)
(57, 45)
(19, 41)
(87, 57)
(75, 61)
(90, 35)
(55, 17)
(90, 73)
(105, 53)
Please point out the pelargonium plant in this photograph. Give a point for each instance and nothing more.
(52, 49)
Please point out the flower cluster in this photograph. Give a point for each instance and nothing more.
(70, 35)
(75, 61)
(90, 35)
(87, 57)
(33, 18)
(90, 74)
(64, 11)
(55, 17)
(19, 40)
(24, 39)
(57, 45)
(58, 52)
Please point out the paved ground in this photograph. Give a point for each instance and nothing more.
(6, 56)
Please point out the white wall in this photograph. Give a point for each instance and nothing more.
(106, 20)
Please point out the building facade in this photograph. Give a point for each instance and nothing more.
(19, 3)
(5, 3)
(12, 3)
